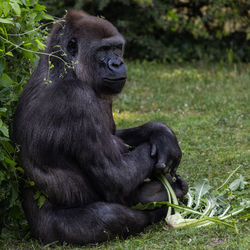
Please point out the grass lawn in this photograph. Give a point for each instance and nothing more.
(208, 108)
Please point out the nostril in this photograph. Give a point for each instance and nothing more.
(118, 63)
(115, 63)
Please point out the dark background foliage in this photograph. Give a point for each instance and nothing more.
(174, 30)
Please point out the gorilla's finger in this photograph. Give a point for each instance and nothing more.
(183, 183)
(174, 166)
(160, 165)
(153, 150)
(166, 170)
(169, 178)
(170, 163)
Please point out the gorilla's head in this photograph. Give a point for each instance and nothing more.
(95, 49)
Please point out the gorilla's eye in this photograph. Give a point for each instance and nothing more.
(72, 46)
(118, 50)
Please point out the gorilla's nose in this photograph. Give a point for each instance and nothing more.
(115, 64)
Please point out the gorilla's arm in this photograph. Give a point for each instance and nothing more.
(164, 144)
(80, 137)
(120, 176)
(143, 133)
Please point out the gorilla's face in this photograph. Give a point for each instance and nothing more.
(97, 53)
(110, 65)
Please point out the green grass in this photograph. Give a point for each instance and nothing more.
(208, 108)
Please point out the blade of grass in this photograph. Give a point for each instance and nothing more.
(226, 181)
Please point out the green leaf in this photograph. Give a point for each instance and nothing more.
(40, 44)
(21, 170)
(24, 2)
(6, 20)
(30, 183)
(4, 139)
(245, 204)
(41, 197)
(5, 131)
(200, 190)
(2, 176)
(41, 201)
(37, 195)
(5, 80)
(10, 162)
(8, 147)
(46, 16)
(16, 7)
(3, 31)
(27, 44)
(237, 184)
(9, 53)
(40, 7)
(3, 110)
(6, 8)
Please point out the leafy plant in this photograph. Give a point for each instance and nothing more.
(204, 206)
(22, 32)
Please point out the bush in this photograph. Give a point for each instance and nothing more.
(20, 38)
(171, 30)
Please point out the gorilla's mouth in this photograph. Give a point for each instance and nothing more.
(115, 80)
(113, 85)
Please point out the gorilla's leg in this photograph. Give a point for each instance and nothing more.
(95, 222)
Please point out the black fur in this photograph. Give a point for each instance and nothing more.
(71, 149)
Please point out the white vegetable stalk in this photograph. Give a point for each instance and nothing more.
(204, 217)
(204, 207)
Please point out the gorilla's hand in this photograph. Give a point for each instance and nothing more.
(164, 146)
(179, 186)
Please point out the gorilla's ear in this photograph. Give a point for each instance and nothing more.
(73, 16)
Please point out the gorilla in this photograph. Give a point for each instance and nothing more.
(70, 147)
